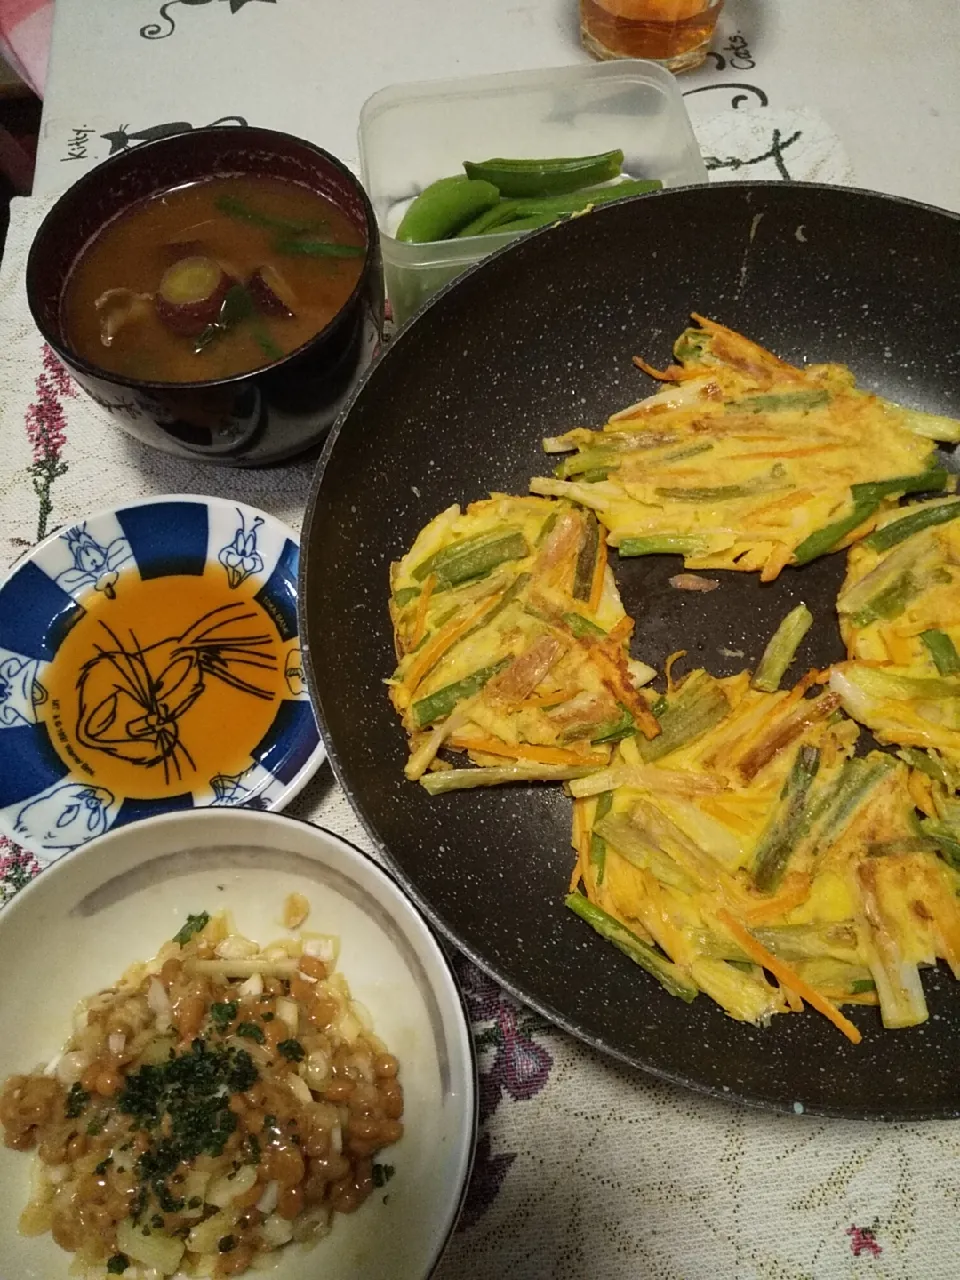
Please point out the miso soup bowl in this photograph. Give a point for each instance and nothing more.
(250, 419)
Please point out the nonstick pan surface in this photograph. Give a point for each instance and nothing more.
(530, 343)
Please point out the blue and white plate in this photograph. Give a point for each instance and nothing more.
(150, 662)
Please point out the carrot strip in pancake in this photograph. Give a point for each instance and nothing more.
(420, 623)
(786, 976)
(446, 638)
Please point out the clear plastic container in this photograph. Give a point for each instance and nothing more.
(412, 134)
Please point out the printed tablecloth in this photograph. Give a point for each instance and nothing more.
(584, 1168)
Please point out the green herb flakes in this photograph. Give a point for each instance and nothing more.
(118, 1264)
(251, 1031)
(77, 1099)
(382, 1173)
(194, 924)
(292, 1050)
(222, 1013)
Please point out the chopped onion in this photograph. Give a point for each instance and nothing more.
(336, 1139)
(51, 1068)
(312, 1224)
(307, 977)
(71, 1066)
(155, 1250)
(271, 1194)
(276, 1231)
(236, 947)
(323, 948)
(116, 1043)
(348, 1026)
(300, 1087)
(57, 1173)
(316, 1070)
(253, 985)
(159, 1003)
(362, 1014)
(288, 1011)
(205, 1235)
(224, 1190)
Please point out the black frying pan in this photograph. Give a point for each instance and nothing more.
(533, 341)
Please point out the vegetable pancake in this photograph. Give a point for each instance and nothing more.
(760, 862)
(746, 462)
(899, 611)
(512, 645)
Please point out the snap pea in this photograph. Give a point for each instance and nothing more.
(504, 216)
(546, 177)
(441, 209)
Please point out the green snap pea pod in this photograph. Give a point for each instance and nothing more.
(531, 223)
(577, 201)
(473, 557)
(887, 537)
(441, 209)
(438, 705)
(490, 220)
(669, 975)
(943, 652)
(546, 177)
(549, 208)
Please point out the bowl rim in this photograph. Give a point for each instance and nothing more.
(319, 753)
(89, 181)
(468, 1128)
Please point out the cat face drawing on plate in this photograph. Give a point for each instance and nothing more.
(65, 817)
(132, 700)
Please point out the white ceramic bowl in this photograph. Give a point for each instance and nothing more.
(115, 900)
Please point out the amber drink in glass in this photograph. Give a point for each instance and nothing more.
(675, 33)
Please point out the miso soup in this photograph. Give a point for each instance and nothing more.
(210, 280)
